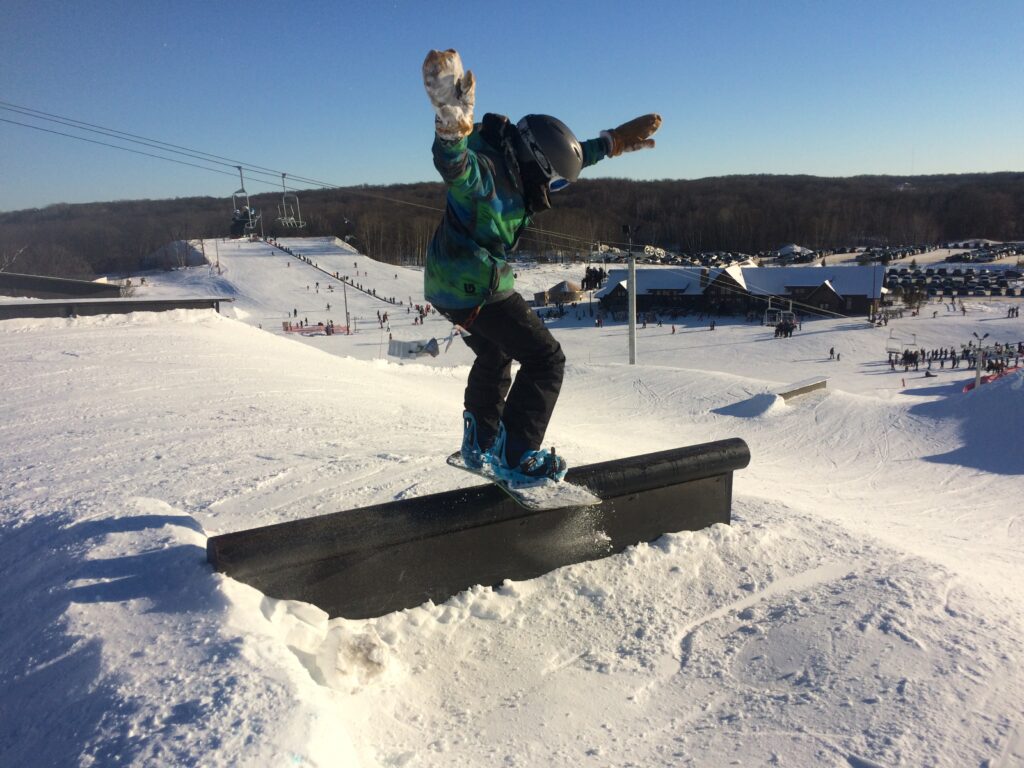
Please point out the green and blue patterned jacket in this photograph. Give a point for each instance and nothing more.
(467, 259)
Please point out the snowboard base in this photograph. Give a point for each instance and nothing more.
(544, 495)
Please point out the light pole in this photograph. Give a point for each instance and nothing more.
(628, 231)
(344, 294)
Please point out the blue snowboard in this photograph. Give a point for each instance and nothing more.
(539, 496)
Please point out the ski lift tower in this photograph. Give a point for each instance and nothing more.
(245, 217)
(290, 213)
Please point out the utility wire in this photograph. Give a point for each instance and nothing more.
(536, 233)
(135, 138)
(164, 146)
(769, 297)
(219, 160)
(195, 154)
(188, 152)
(115, 146)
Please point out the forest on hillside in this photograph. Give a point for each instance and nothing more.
(746, 214)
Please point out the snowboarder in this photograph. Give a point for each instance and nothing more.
(499, 175)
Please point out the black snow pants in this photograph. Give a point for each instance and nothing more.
(501, 332)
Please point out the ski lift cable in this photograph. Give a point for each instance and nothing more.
(209, 157)
(153, 144)
(116, 146)
(535, 233)
(806, 308)
(769, 297)
(204, 156)
(246, 167)
(165, 146)
(124, 135)
(810, 310)
(766, 297)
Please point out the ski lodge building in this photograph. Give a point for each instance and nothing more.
(738, 290)
(565, 292)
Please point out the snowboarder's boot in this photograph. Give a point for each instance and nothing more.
(474, 444)
(519, 466)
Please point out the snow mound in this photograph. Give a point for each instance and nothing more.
(766, 404)
(991, 421)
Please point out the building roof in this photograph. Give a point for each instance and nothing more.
(758, 281)
(565, 286)
(846, 281)
(647, 280)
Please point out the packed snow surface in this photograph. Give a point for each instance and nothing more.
(863, 609)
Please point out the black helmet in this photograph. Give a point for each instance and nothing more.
(549, 143)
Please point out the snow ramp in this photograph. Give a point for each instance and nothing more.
(367, 562)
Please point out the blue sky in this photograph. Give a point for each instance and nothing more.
(332, 91)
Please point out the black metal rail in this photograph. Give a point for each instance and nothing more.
(371, 561)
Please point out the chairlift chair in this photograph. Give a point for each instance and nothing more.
(290, 213)
(245, 217)
(893, 345)
(898, 346)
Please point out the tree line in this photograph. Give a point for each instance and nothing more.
(745, 214)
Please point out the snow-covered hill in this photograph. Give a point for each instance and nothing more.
(863, 609)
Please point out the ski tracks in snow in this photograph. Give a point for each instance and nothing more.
(742, 608)
(847, 653)
(880, 636)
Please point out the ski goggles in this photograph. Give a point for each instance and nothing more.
(557, 183)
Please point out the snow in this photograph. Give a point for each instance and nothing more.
(863, 608)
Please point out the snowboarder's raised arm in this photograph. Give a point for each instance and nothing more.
(631, 136)
(628, 137)
(452, 92)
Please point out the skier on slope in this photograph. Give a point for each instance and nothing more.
(500, 174)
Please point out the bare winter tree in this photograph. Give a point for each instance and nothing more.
(7, 259)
